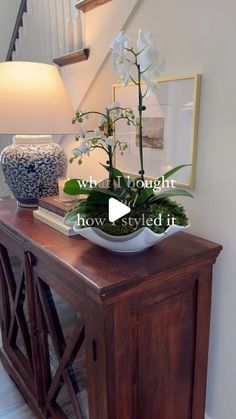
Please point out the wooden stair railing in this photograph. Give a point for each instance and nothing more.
(86, 5)
(18, 24)
(74, 57)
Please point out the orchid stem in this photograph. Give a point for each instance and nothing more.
(110, 152)
(92, 112)
(140, 122)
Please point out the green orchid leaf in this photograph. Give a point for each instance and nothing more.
(165, 176)
(167, 194)
(71, 217)
(105, 166)
(172, 171)
(143, 197)
(107, 192)
(118, 176)
(73, 187)
(120, 179)
(83, 209)
(98, 198)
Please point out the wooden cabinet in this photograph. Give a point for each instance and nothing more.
(91, 334)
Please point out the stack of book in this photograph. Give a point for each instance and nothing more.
(52, 210)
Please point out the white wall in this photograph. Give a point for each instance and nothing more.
(196, 36)
(8, 13)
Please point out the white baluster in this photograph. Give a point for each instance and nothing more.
(42, 32)
(26, 37)
(36, 54)
(47, 30)
(17, 58)
(61, 27)
(54, 28)
(21, 44)
(72, 3)
(32, 31)
(68, 27)
(78, 30)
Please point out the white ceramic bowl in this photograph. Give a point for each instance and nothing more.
(134, 242)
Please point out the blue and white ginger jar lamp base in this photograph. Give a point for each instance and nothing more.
(32, 166)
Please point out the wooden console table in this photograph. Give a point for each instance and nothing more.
(88, 333)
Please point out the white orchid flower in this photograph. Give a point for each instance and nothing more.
(110, 141)
(76, 152)
(122, 66)
(120, 61)
(83, 134)
(102, 120)
(120, 42)
(97, 133)
(149, 59)
(151, 85)
(114, 107)
(83, 148)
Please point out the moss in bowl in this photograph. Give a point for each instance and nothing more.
(158, 217)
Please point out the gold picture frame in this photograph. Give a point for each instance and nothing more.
(170, 128)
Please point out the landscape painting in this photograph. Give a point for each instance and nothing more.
(153, 133)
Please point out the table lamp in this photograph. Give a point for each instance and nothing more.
(34, 105)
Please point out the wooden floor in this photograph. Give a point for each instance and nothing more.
(12, 405)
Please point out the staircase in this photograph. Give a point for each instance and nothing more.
(59, 31)
(48, 31)
(51, 31)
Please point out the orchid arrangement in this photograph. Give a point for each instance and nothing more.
(102, 137)
(140, 66)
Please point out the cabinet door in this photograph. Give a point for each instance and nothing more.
(63, 355)
(16, 320)
(166, 343)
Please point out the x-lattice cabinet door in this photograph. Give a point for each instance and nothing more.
(73, 364)
(54, 344)
(18, 317)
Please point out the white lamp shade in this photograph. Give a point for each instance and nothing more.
(33, 100)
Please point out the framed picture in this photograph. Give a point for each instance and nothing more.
(170, 127)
